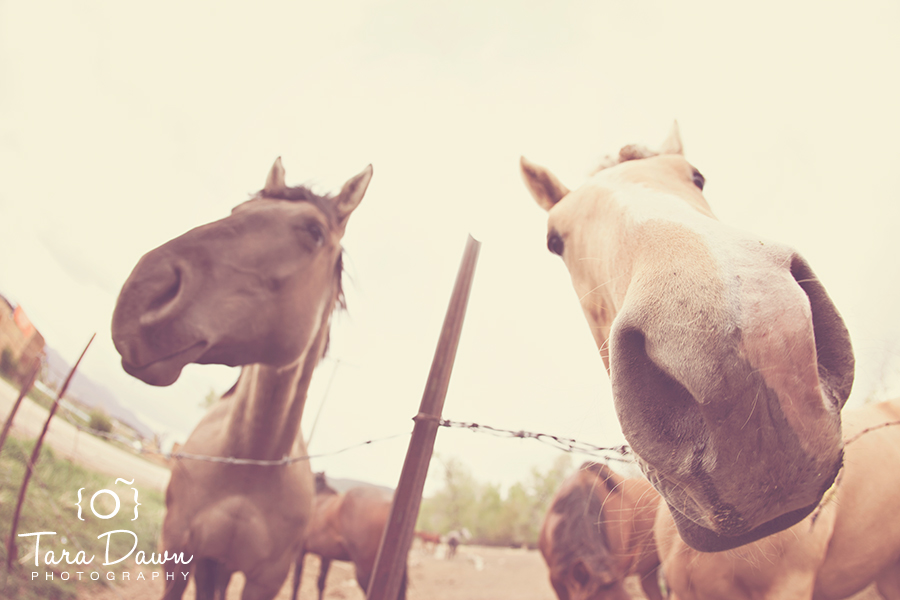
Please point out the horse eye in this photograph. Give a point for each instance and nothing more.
(555, 243)
(314, 230)
(699, 179)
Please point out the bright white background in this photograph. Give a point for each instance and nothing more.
(122, 126)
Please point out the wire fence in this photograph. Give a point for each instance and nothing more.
(620, 453)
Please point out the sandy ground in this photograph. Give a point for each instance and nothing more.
(476, 573)
(79, 446)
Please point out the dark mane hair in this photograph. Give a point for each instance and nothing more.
(302, 193)
(629, 152)
(580, 535)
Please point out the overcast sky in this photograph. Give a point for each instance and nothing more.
(124, 125)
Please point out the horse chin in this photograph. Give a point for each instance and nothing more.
(705, 540)
(165, 371)
(155, 374)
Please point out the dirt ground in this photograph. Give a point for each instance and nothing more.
(476, 573)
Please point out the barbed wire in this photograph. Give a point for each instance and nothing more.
(852, 439)
(623, 452)
(620, 453)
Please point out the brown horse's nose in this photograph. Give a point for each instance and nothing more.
(152, 297)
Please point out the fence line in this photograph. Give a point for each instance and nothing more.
(558, 442)
(621, 453)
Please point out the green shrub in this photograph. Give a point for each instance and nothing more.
(100, 421)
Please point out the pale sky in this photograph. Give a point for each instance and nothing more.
(122, 126)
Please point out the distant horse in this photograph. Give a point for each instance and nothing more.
(255, 289)
(429, 539)
(346, 527)
(724, 351)
(454, 539)
(598, 531)
(849, 542)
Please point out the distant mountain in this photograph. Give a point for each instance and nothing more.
(90, 393)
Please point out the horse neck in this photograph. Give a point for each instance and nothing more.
(268, 403)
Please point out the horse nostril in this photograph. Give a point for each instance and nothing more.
(161, 304)
(168, 294)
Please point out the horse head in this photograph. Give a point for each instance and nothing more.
(584, 537)
(729, 363)
(258, 286)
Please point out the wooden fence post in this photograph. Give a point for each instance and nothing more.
(390, 564)
(12, 550)
(23, 391)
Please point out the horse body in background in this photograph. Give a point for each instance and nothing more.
(430, 540)
(724, 351)
(347, 527)
(597, 532)
(851, 541)
(255, 289)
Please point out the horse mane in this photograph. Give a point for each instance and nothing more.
(580, 534)
(629, 152)
(302, 193)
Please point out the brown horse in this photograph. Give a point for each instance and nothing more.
(598, 531)
(255, 289)
(430, 540)
(724, 351)
(346, 527)
(851, 541)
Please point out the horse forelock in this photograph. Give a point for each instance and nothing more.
(626, 153)
(302, 193)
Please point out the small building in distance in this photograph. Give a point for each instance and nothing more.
(21, 344)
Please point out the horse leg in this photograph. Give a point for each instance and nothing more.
(205, 578)
(265, 583)
(176, 583)
(298, 575)
(324, 565)
(888, 583)
(223, 578)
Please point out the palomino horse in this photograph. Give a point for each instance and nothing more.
(852, 540)
(598, 531)
(347, 527)
(725, 354)
(255, 289)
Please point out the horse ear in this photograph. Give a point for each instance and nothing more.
(672, 145)
(352, 193)
(542, 184)
(275, 180)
